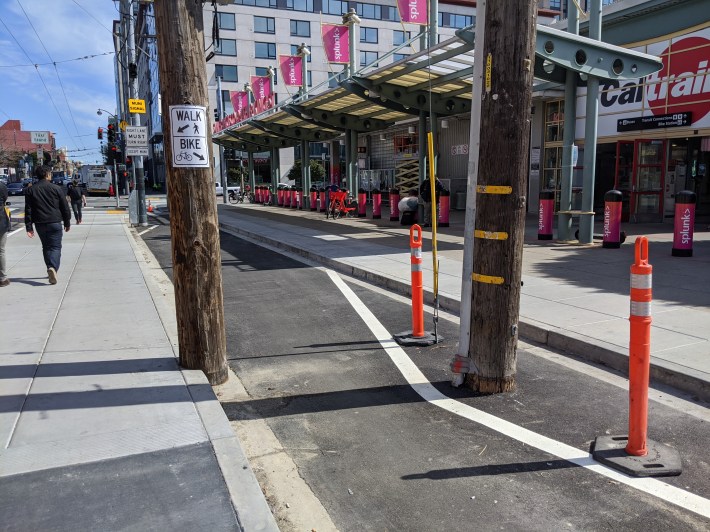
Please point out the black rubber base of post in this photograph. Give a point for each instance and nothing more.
(443, 225)
(313, 209)
(406, 339)
(682, 252)
(394, 219)
(376, 216)
(611, 245)
(360, 215)
(544, 237)
(661, 460)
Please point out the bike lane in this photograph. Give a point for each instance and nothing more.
(378, 456)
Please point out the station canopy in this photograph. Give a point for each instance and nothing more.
(437, 80)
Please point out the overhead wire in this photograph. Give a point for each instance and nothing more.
(41, 79)
(83, 58)
(56, 70)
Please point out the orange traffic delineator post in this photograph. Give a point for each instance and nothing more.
(417, 336)
(634, 454)
(150, 207)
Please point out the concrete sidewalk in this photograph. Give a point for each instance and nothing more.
(574, 298)
(100, 428)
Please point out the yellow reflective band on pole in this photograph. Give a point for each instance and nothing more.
(494, 189)
(488, 279)
(432, 184)
(491, 235)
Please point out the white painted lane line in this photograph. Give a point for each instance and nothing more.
(16, 231)
(418, 381)
(149, 229)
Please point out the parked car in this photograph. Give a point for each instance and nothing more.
(15, 189)
(220, 190)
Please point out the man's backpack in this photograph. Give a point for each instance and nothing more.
(74, 193)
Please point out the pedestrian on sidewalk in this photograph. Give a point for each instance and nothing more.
(4, 229)
(425, 197)
(77, 198)
(46, 208)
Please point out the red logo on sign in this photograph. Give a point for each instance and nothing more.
(684, 80)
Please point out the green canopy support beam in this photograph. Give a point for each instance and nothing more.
(335, 120)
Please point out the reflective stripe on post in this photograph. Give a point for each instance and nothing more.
(415, 243)
(639, 348)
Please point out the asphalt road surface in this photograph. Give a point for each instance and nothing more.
(382, 449)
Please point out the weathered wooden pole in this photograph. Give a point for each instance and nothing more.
(509, 57)
(197, 273)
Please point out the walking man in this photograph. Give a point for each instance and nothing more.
(4, 229)
(46, 208)
(76, 196)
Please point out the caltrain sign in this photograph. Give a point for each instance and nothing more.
(681, 87)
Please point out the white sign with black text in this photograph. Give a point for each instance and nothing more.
(137, 136)
(188, 130)
(39, 137)
(137, 150)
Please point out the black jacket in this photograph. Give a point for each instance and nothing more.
(4, 221)
(45, 203)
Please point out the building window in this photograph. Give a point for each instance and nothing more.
(372, 11)
(265, 50)
(300, 28)
(368, 57)
(294, 51)
(399, 57)
(390, 13)
(399, 37)
(226, 21)
(264, 25)
(368, 35)
(226, 47)
(452, 20)
(556, 4)
(227, 107)
(257, 3)
(300, 5)
(334, 7)
(263, 71)
(226, 72)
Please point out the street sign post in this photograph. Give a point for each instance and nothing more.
(188, 130)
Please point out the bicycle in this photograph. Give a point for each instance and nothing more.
(183, 155)
(236, 197)
(341, 205)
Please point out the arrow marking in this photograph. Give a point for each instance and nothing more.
(200, 157)
(183, 128)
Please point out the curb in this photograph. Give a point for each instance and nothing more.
(663, 373)
(248, 501)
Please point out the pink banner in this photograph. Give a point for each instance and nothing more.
(336, 42)
(261, 88)
(240, 102)
(413, 11)
(292, 69)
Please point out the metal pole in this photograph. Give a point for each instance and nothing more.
(305, 159)
(138, 163)
(274, 151)
(470, 219)
(353, 21)
(222, 172)
(564, 221)
(115, 184)
(422, 159)
(586, 221)
(433, 22)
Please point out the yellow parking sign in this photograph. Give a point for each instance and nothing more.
(136, 106)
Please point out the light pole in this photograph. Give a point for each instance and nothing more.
(115, 173)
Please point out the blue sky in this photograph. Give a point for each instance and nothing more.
(68, 29)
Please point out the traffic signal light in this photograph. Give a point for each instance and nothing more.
(111, 133)
(216, 115)
(101, 133)
(129, 160)
(132, 70)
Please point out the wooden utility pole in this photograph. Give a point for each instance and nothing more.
(197, 273)
(509, 56)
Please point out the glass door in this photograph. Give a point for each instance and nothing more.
(624, 175)
(647, 189)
